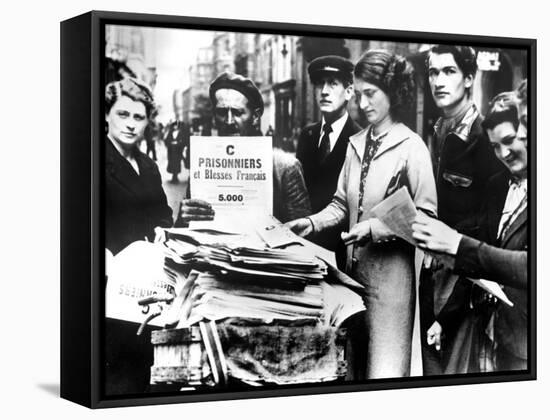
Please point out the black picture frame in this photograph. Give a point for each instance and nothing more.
(82, 233)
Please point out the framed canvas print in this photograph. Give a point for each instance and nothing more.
(254, 209)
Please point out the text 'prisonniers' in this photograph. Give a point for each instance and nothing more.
(230, 163)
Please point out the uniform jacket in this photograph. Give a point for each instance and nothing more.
(322, 176)
(134, 204)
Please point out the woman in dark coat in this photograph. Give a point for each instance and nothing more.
(135, 204)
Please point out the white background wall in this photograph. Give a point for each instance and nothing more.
(29, 353)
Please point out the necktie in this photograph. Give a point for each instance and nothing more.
(324, 147)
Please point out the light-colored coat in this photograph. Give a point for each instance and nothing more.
(385, 265)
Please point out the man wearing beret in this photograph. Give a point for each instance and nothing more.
(322, 145)
(238, 107)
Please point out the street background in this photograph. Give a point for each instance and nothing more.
(30, 212)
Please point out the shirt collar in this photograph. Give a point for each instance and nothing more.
(520, 184)
(462, 124)
(337, 126)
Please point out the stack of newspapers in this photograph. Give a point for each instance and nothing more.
(237, 276)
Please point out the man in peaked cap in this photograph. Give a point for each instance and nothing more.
(238, 107)
(322, 151)
(322, 145)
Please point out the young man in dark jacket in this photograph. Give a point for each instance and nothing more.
(463, 163)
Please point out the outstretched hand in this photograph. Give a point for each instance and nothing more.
(301, 227)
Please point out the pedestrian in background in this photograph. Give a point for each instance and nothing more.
(177, 137)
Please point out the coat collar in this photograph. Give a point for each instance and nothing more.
(398, 134)
(120, 169)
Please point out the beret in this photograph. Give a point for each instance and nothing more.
(229, 80)
(339, 66)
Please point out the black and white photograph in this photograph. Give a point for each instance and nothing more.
(275, 210)
(286, 211)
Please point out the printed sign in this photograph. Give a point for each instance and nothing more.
(233, 174)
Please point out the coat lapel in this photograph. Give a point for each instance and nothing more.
(341, 144)
(358, 142)
(398, 134)
(516, 224)
(121, 171)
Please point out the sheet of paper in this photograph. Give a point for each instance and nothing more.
(275, 234)
(397, 212)
(493, 288)
(340, 303)
(137, 272)
(233, 174)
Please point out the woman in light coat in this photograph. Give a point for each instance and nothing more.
(381, 159)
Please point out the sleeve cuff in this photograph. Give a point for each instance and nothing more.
(467, 256)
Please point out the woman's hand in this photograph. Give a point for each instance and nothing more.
(433, 235)
(434, 335)
(359, 234)
(301, 227)
(195, 209)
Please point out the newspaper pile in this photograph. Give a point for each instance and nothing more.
(235, 276)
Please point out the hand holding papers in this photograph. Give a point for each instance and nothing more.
(359, 234)
(398, 213)
(433, 235)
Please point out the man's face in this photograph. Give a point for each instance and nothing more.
(509, 148)
(448, 83)
(127, 120)
(332, 96)
(232, 114)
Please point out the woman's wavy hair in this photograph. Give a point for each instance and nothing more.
(502, 108)
(133, 89)
(394, 75)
